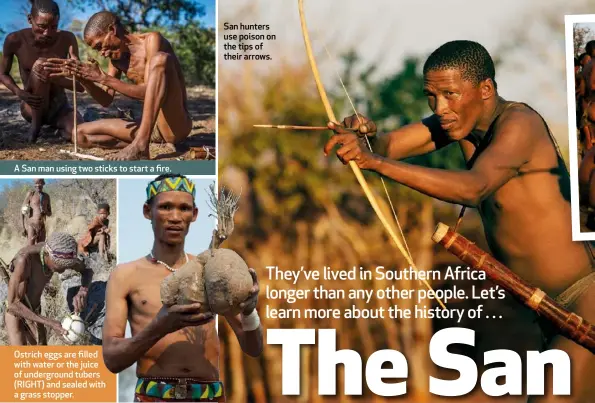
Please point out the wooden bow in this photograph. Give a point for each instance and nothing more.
(354, 167)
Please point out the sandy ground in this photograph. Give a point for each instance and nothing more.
(13, 128)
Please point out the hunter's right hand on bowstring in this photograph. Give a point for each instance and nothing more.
(351, 138)
(359, 124)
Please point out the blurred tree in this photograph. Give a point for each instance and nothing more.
(196, 51)
(195, 48)
(98, 191)
(138, 14)
(580, 37)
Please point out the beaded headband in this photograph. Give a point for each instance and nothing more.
(177, 184)
(60, 255)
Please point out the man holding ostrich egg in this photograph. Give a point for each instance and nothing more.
(170, 299)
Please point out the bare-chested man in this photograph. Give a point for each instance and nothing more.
(36, 207)
(32, 268)
(176, 348)
(149, 61)
(518, 183)
(43, 98)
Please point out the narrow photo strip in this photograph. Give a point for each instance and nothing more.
(580, 46)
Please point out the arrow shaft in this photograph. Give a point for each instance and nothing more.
(291, 127)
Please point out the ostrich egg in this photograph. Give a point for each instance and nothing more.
(75, 326)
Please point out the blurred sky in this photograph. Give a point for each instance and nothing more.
(14, 17)
(134, 230)
(384, 32)
(589, 25)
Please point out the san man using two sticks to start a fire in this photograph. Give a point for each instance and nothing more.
(518, 182)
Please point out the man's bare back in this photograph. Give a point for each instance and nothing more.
(140, 282)
(32, 268)
(34, 280)
(34, 276)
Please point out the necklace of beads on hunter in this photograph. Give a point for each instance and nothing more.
(165, 264)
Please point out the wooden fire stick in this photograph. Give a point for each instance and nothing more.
(84, 156)
(568, 323)
(76, 136)
(75, 113)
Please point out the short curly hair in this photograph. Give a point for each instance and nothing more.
(470, 58)
(99, 23)
(103, 206)
(45, 7)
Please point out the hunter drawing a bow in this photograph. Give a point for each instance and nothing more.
(402, 245)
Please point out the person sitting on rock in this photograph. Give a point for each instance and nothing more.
(98, 233)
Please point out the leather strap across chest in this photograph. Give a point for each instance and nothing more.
(487, 138)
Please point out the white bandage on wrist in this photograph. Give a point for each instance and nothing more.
(250, 322)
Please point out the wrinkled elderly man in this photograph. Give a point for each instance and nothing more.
(31, 270)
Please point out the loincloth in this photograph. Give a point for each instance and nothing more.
(569, 296)
(156, 136)
(36, 231)
(177, 389)
(566, 300)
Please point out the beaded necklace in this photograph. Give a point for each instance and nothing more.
(165, 264)
(41, 257)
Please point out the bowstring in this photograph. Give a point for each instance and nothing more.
(390, 202)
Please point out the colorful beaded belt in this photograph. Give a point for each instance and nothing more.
(179, 388)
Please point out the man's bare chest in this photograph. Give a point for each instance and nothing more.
(28, 54)
(134, 68)
(37, 199)
(145, 299)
